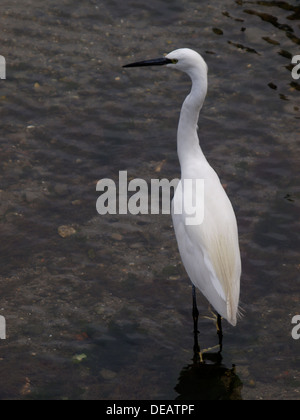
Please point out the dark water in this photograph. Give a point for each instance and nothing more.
(105, 313)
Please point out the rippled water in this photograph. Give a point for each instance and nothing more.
(105, 313)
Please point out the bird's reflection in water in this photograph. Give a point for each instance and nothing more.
(208, 380)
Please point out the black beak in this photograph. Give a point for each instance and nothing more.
(155, 62)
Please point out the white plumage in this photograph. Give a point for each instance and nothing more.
(210, 250)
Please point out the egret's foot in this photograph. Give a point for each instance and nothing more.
(213, 317)
(210, 318)
(217, 319)
(207, 350)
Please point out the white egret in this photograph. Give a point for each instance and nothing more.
(210, 250)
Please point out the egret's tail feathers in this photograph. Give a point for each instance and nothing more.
(234, 316)
(240, 312)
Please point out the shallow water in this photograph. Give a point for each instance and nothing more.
(105, 311)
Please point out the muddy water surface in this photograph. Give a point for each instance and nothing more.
(101, 309)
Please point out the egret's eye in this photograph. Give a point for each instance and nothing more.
(174, 61)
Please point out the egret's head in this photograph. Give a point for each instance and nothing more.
(184, 59)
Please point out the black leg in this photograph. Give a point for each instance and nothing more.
(195, 319)
(195, 311)
(219, 331)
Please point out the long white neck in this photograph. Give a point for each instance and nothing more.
(187, 137)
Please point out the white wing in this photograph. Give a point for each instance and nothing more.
(210, 251)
